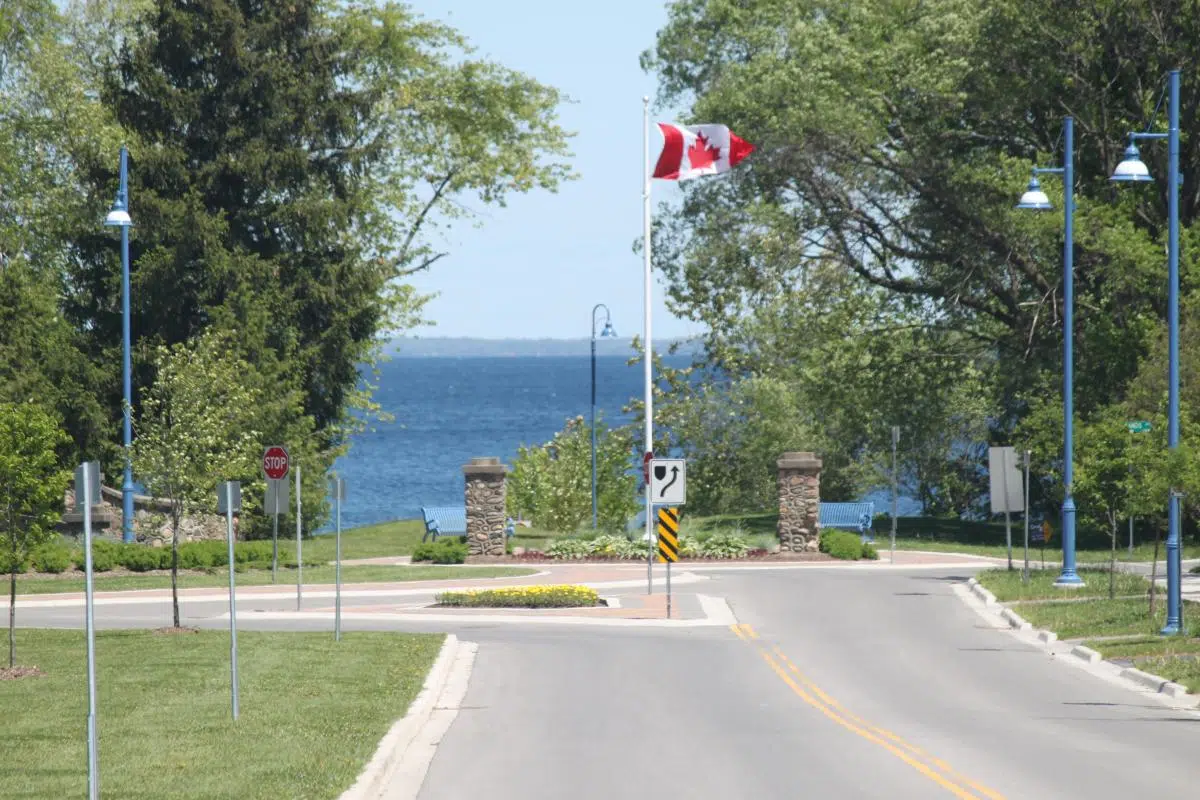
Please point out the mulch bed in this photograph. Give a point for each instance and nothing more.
(15, 673)
(171, 631)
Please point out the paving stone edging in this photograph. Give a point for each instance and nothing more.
(1155, 683)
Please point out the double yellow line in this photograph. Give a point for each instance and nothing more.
(931, 767)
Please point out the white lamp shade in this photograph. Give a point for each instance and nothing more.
(608, 332)
(1034, 198)
(1131, 168)
(118, 218)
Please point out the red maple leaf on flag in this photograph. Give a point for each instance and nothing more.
(701, 155)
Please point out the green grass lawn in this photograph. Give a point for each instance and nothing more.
(312, 712)
(1144, 646)
(1102, 617)
(371, 541)
(256, 577)
(1184, 671)
(1008, 586)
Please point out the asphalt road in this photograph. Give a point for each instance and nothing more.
(838, 685)
(835, 684)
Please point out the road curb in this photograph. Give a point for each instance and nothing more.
(398, 768)
(1078, 655)
(983, 594)
(1155, 683)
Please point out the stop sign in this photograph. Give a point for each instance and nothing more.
(276, 463)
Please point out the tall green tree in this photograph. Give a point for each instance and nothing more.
(290, 160)
(32, 485)
(197, 428)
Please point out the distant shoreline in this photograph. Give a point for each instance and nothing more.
(454, 347)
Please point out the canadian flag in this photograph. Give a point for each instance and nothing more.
(693, 150)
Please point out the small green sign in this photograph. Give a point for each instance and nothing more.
(1138, 427)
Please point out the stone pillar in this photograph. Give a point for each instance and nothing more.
(799, 502)
(485, 506)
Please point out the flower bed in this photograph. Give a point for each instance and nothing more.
(560, 596)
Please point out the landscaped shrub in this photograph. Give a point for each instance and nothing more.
(140, 558)
(105, 556)
(197, 555)
(568, 549)
(53, 558)
(444, 551)
(689, 547)
(724, 545)
(562, 596)
(841, 544)
(869, 552)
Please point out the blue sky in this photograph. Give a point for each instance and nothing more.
(536, 268)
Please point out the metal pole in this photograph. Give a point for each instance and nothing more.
(1174, 599)
(275, 535)
(299, 546)
(1025, 574)
(895, 487)
(649, 348)
(339, 491)
(93, 749)
(233, 659)
(126, 365)
(1007, 517)
(595, 515)
(668, 589)
(1068, 576)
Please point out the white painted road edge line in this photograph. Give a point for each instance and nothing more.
(26, 601)
(1083, 658)
(400, 763)
(717, 613)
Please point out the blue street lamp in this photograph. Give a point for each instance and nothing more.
(607, 333)
(119, 217)
(1035, 199)
(1133, 170)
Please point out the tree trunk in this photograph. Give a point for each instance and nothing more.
(1154, 569)
(1112, 562)
(175, 569)
(12, 616)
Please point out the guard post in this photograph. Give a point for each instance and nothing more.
(668, 544)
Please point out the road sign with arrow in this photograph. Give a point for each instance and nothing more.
(668, 481)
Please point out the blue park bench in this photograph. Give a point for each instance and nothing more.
(851, 516)
(450, 521)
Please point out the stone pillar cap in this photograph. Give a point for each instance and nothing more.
(487, 465)
(799, 460)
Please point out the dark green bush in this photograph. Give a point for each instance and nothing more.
(105, 556)
(141, 558)
(197, 555)
(53, 558)
(445, 551)
(841, 544)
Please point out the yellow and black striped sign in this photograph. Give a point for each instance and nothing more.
(668, 535)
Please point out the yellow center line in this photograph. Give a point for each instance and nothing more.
(915, 757)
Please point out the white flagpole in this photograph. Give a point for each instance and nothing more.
(649, 349)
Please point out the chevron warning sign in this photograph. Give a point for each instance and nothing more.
(668, 535)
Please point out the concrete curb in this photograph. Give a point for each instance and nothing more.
(1154, 683)
(1082, 657)
(983, 594)
(398, 767)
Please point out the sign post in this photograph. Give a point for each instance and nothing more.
(339, 496)
(647, 458)
(668, 544)
(1005, 485)
(1140, 426)
(87, 487)
(275, 466)
(299, 549)
(229, 500)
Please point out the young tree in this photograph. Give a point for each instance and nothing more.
(197, 428)
(31, 491)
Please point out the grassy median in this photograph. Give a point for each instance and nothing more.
(312, 712)
(1008, 586)
(194, 579)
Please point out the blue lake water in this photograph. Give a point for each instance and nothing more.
(450, 410)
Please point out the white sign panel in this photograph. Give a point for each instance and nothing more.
(668, 481)
(277, 492)
(1005, 480)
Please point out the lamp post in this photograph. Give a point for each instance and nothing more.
(118, 217)
(1133, 170)
(1035, 199)
(607, 333)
